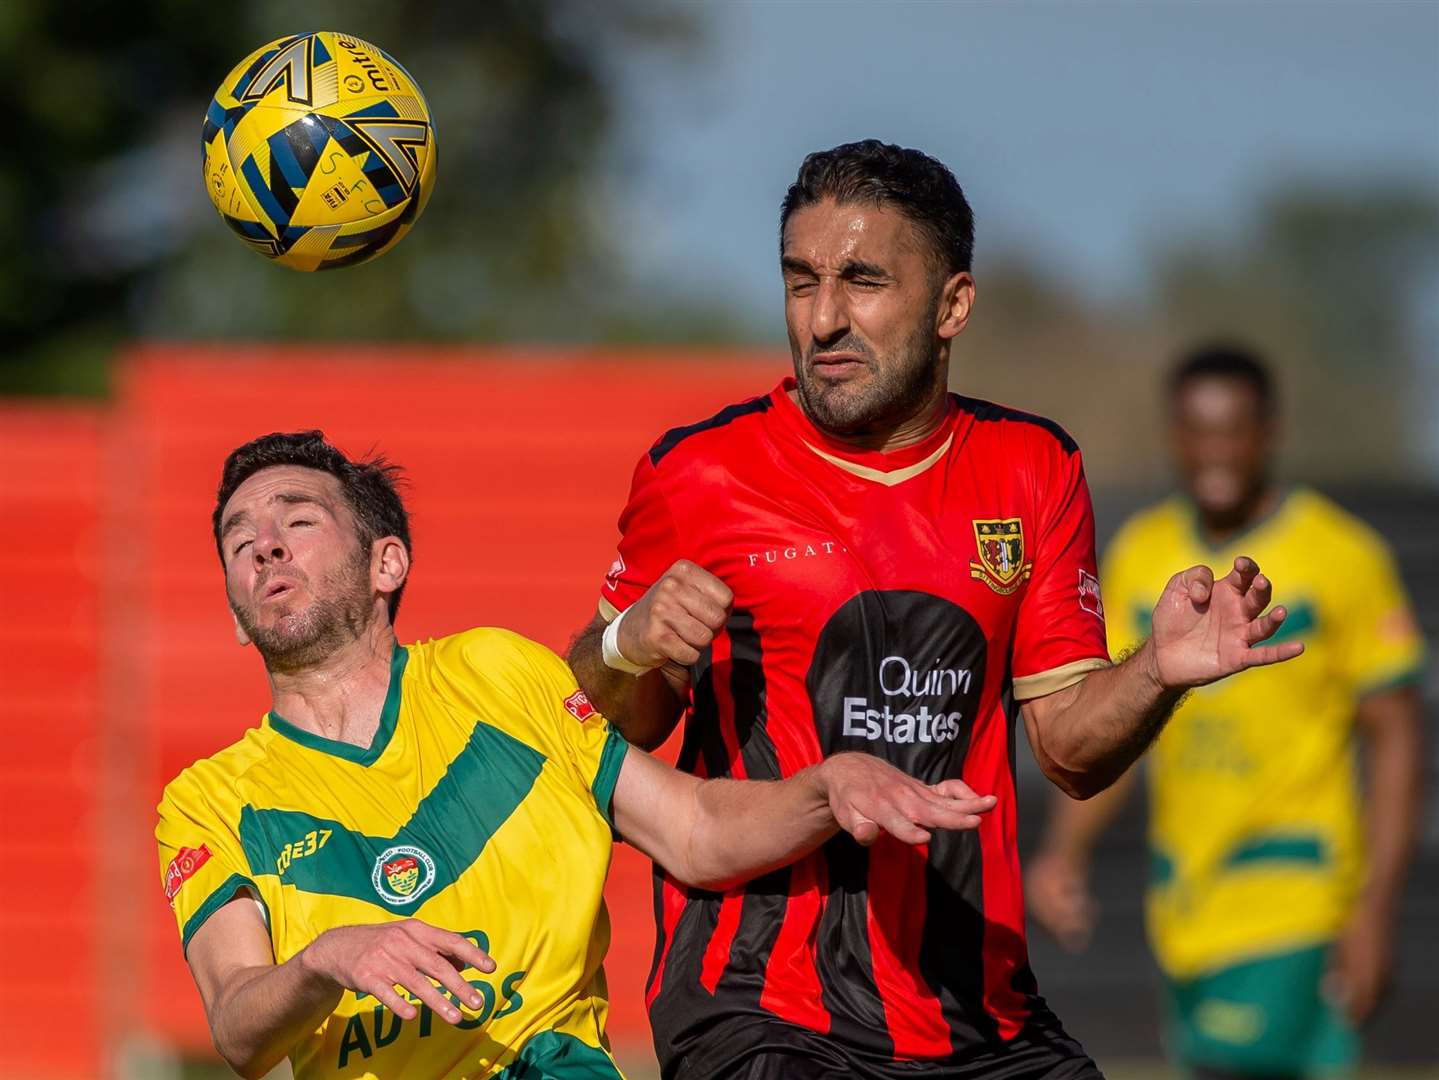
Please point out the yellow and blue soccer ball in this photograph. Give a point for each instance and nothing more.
(319, 151)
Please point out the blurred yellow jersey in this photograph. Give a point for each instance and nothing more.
(1255, 830)
(482, 806)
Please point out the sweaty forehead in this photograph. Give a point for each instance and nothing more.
(284, 482)
(828, 234)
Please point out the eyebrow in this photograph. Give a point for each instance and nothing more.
(240, 517)
(852, 269)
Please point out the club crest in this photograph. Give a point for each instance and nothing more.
(402, 874)
(1000, 545)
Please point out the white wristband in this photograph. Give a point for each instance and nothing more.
(610, 649)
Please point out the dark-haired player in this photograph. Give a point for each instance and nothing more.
(398, 873)
(860, 560)
(1249, 913)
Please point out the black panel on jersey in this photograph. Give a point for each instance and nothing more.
(672, 438)
(988, 410)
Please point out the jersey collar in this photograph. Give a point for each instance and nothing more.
(887, 468)
(361, 755)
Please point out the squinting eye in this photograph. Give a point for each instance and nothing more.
(241, 546)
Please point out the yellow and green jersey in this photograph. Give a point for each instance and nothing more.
(1255, 828)
(481, 806)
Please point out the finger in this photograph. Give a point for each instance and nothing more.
(463, 949)
(700, 579)
(673, 647)
(1244, 572)
(1261, 591)
(419, 986)
(1263, 655)
(705, 610)
(954, 789)
(1198, 584)
(385, 994)
(903, 829)
(1264, 627)
(447, 975)
(688, 629)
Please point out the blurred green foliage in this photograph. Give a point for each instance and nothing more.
(108, 234)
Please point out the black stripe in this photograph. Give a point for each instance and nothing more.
(842, 956)
(988, 410)
(672, 438)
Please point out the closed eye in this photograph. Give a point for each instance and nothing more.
(241, 546)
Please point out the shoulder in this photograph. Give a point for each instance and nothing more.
(1321, 520)
(495, 654)
(1015, 426)
(211, 787)
(701, 440)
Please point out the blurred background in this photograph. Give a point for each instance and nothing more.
(599, 263)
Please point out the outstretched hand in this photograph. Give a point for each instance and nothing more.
(868, 796)
(1205, 630)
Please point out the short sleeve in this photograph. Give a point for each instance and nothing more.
(199, 870)
(590, 746)
(1059, 635)
(1383, 647)
(649, 542)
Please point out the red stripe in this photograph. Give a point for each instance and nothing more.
(717, 951)
(791, 981)
(897, 910)
(986, 770)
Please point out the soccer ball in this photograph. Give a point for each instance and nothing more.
(319, 151)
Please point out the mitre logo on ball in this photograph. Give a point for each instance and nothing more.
(319, 151)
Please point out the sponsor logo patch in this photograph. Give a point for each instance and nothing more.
(1089, 598)
(578, 705)
(403, 874)
(612, 577)
(182, 868)
(1000, 546)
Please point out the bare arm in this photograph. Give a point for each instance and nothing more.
(645, 708)
(259, 1010)
(717, 833)
(663, 632)
(1085, 736)
(1057, 875)
(1392, 726)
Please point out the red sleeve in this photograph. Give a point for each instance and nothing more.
(1059, 635)
(649, 542)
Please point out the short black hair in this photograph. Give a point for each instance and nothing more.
(882, 174)
(1226, 360)
(370, 487)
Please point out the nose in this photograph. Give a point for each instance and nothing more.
(269, 547)
(829, 318)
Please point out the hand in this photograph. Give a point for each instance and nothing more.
(1056, 887)
(1359, 965)
(868, 796)
(677, 617)
(1204, 629)
(375, 959)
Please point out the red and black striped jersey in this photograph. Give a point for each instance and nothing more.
(898, 604)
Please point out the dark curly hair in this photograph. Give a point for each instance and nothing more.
(370, 487)
(912, 182)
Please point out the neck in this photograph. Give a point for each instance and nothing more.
(1219, 527)
(341, 696)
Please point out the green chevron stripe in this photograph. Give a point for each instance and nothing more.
(483, 786)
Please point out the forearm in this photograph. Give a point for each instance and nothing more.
(1393, 798)
(644, 708)
(742, 829)
(1091, 733)
(265, 1011)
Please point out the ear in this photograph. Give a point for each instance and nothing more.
(389, 564)
(956, 299)
(240, 635)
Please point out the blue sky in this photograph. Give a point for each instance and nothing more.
(1083, 133)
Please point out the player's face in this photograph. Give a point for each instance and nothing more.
(869, 316)
(297, 577)
(1222, 440)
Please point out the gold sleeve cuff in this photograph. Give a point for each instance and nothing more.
(608, 611)
(1027, 687)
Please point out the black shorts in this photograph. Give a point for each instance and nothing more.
(770, 1049)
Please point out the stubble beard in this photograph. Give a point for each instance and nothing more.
(890, 395)
(337, 615)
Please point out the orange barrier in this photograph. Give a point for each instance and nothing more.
(518, 465)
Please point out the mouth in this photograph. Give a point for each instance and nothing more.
(837, 365)
(277, 590)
